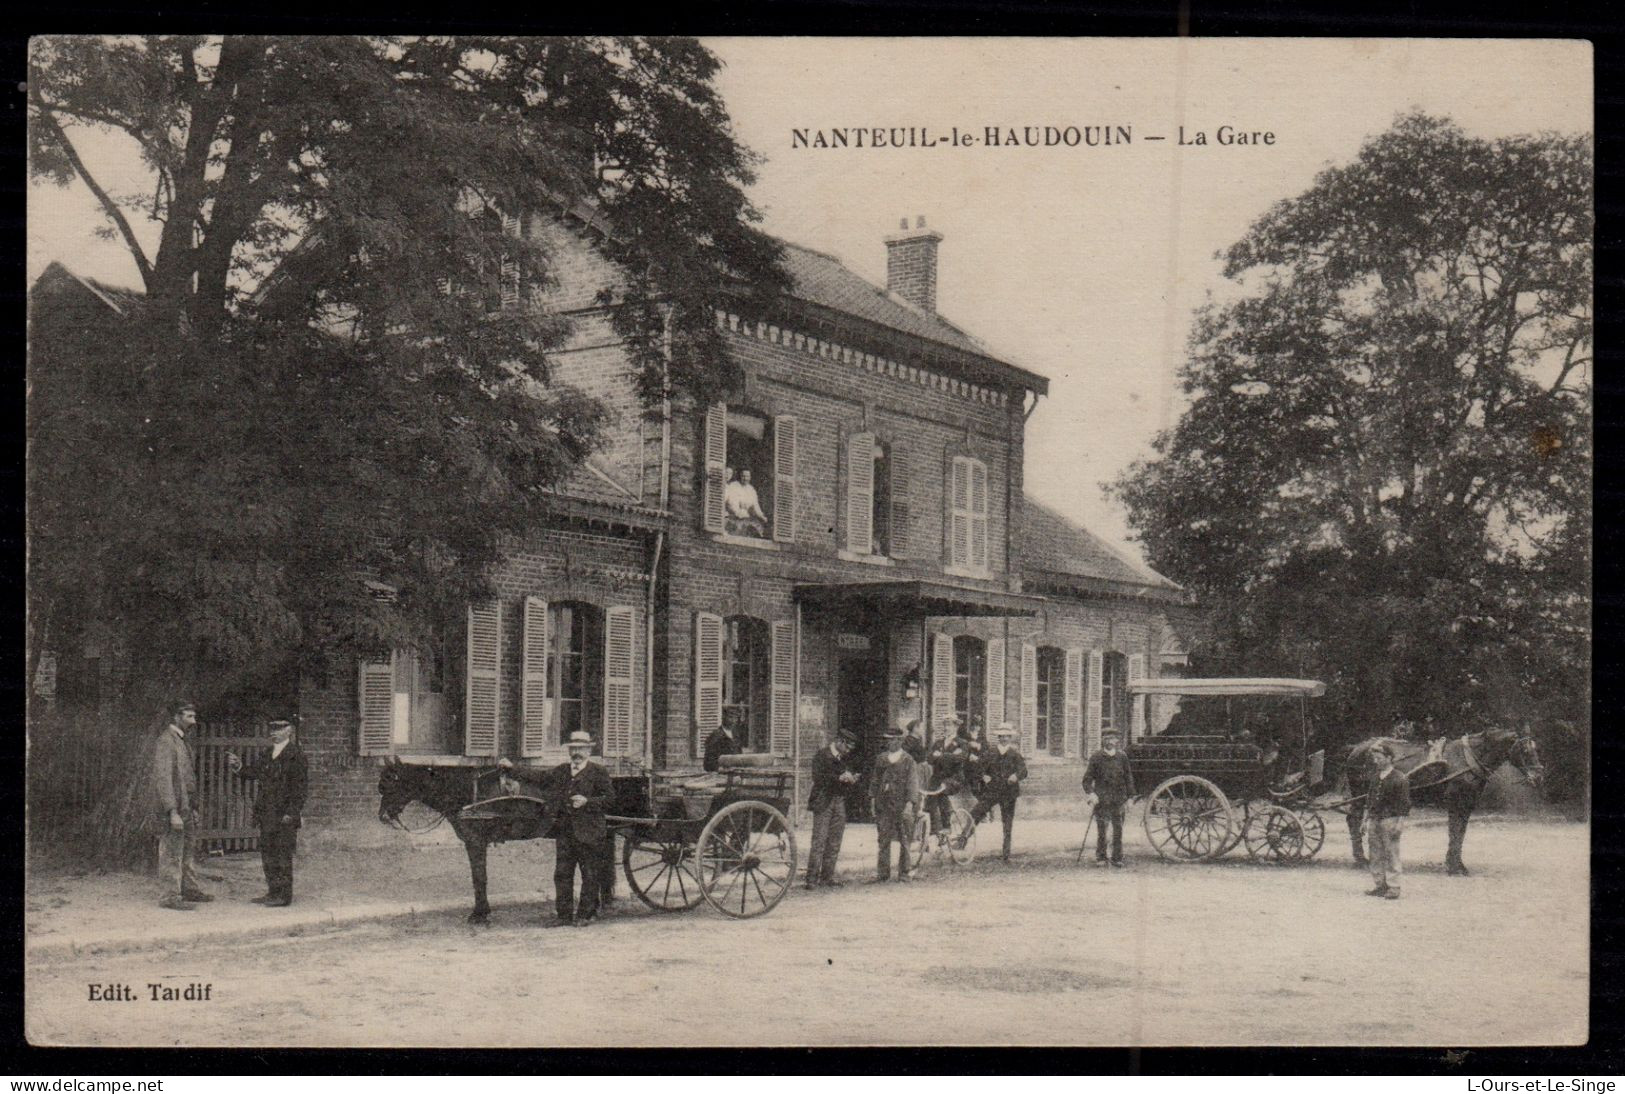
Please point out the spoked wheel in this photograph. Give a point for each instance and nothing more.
(1274, 834)
(961, 837)
(661, 870)
(1188, 819)
(747, 859)
(1314, 831)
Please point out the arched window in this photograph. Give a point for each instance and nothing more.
(575, 667)
(970, 680)
(1051, 700)
(746, 683)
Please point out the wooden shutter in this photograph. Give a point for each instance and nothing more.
(535, 711)
(994, 681)
(375, 690)
(620, 656)
(781, 716)
(715, 450)
(707, 672)
(1073, 701)
(977, 520)
(481, 702)
(860, 493)
(942, 680)
(1092, 712)
(1136, 709)
(1029, 698)
(901, 530)
(510, 264)
(959, 512)
(784, 478)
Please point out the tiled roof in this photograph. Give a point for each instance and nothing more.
(822, 279)
(1052, 544)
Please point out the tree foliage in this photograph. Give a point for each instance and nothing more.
(326, 375)
(1383, 476)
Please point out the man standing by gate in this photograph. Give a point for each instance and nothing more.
(283, 779)
(1110, 781)
(174, 785)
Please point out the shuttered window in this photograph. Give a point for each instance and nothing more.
(482, 709)
(707, 674)
(942, 680)
(901, 540)
(970, 679)
(1136, 704)
(1051, 703)
(860, 493)
(995, 681)
(1029, 698)
(782, 711)
(1095, 714)
(375, 689)
(535, 707)
(620, 664)
(1073, 700)
(715, 470)
(967, 513)
(784, 478)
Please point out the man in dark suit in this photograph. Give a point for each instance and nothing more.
(895, 786)
(832, 783)
(724, 740)
(1110, 781)
(580, 791)
(1000, 774)
(948, 756)
(284, 779)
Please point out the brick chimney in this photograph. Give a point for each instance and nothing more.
(911, 264)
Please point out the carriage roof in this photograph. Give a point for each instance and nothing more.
(1228, 685)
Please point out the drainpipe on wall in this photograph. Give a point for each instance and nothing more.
(665, 411)
(649, 654)
(795, 731)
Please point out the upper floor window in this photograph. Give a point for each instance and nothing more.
(967, 514)
(749, 469)
(877, 497)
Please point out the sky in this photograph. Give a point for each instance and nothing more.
(1084, 264)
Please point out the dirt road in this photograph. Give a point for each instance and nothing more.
(1039, 952)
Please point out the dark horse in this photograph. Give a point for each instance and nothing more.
(447, 790)
(1454, 779)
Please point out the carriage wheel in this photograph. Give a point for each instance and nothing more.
(1189, 819)
(1274, 834)
(1314, 831)
(747, 859)
(961, 828)
(661, 871)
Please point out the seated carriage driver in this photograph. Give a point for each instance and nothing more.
(581, 791)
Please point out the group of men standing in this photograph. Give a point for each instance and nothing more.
(897, 791)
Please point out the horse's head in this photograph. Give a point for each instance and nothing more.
(1517, 748)
(399, 785)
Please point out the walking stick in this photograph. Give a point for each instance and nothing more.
(1084, 846)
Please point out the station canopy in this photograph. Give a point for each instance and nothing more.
(1227, 685)
(916, 599)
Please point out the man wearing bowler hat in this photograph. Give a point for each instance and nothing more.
(1000, 775)
(283, 779)
(896, 788)
(832, 783)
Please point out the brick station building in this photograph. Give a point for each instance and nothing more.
(844, 543)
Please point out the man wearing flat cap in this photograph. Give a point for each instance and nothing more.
(1000, 775)
(895, 786)
(832, 783)
(283, 778)
(1110, 781)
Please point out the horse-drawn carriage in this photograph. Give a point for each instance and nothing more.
(1220, 779)
(687, 836)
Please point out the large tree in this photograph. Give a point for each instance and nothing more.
(1383, 474)
(332, 371)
